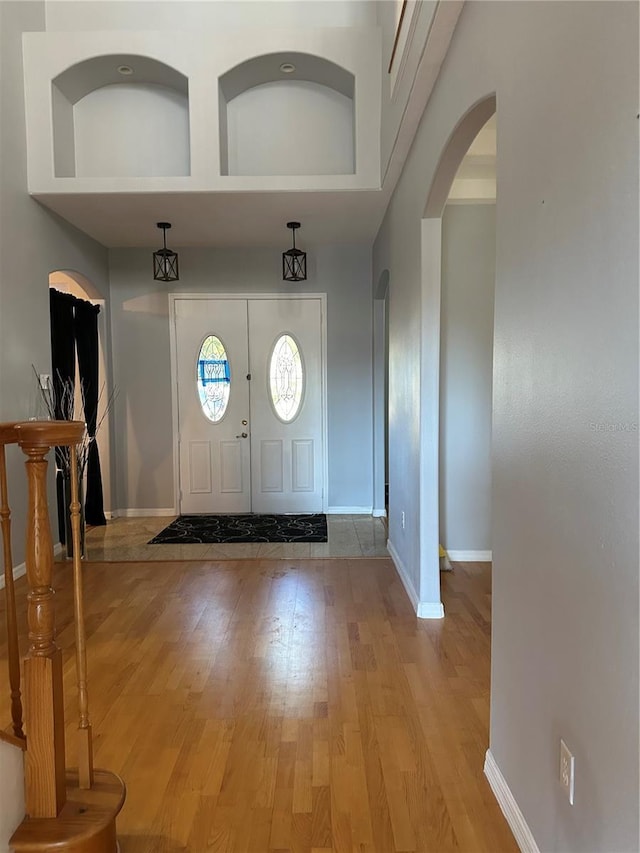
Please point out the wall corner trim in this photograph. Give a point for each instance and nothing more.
(424, 609)
(510, 809)
(430, 610)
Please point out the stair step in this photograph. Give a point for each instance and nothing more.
(86, 823)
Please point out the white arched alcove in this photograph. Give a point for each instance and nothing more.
(431, 264)
(121, 116)
(259, 103)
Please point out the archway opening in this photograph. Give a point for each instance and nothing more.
(442, 187)
(78, 285)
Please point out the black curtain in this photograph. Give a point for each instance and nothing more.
(86, 333)
(63, 365)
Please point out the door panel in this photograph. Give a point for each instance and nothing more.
(214, 458)
(286, 470)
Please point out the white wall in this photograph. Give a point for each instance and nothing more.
(131, 130)
(80, 15)
(290, 128)
(466, 368)
(565, 443)
(11, 792)
(142, 369)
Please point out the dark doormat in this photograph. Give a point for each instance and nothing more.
(212, 529)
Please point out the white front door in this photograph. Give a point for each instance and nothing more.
(214, 452)
(250, 399)
(286, 405)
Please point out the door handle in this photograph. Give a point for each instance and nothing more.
(242, 435)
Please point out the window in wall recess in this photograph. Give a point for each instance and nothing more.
(286, 378)
(213, 377)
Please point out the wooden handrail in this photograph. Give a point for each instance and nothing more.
(8, 436)
(45, 786)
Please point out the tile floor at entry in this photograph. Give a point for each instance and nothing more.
(125, 539)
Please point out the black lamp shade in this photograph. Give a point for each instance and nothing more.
(165, 262)
(294, 261)
(294, 265)
(165, 265)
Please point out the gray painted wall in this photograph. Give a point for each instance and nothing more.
(565, 442)
(466, 369)
(142, 367)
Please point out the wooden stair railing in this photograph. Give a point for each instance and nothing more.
(8, 435)
(67, 810)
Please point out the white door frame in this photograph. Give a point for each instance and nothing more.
(176, 297)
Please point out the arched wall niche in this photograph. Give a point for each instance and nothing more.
(258, 102)
(99, 112)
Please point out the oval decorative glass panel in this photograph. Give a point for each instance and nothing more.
(286, 378)
(213, 378)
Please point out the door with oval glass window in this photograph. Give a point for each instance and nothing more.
(249, 445)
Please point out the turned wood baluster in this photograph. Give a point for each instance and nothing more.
(44, 706)
(85, 754)
(8, 436)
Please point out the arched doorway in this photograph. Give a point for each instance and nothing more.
(431, 248)
(78, 285)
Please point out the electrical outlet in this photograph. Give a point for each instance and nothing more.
(403, 519)
(45, 379)
(567, 770)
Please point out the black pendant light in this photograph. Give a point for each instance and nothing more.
(165, 262)
(294, 262)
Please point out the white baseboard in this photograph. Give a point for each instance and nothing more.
(21, 570)
(469, 556)
(18, 572)
(424, 609)
(146, 513)
(510, 809)
(349, 510)
(109, 515)
(379, 513)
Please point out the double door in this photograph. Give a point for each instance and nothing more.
(250, 402)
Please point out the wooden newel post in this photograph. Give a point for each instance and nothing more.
(44, 704)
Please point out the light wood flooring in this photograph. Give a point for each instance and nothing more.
(127, 539)
(286, 705)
